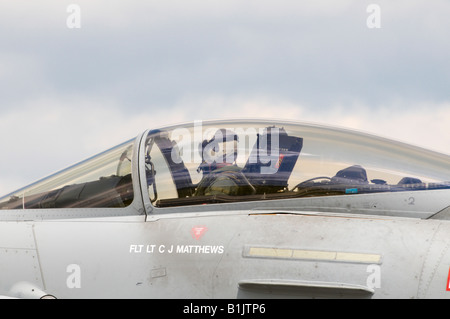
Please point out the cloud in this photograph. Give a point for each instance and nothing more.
(318, 52)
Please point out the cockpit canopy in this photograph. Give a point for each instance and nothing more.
(278, 161)
(238, 161)
(103, 180)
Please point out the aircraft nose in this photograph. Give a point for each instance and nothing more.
(27, 290)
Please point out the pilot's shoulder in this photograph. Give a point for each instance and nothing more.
(228, 168)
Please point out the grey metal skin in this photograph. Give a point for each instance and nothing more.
(381, 245)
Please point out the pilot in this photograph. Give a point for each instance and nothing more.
(221, 175)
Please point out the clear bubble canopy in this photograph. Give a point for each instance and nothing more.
(238, 161)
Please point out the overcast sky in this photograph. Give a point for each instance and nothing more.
(69, 92)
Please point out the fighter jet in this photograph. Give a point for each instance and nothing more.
(234, 209)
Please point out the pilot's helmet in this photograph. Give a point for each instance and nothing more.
(222, 149)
